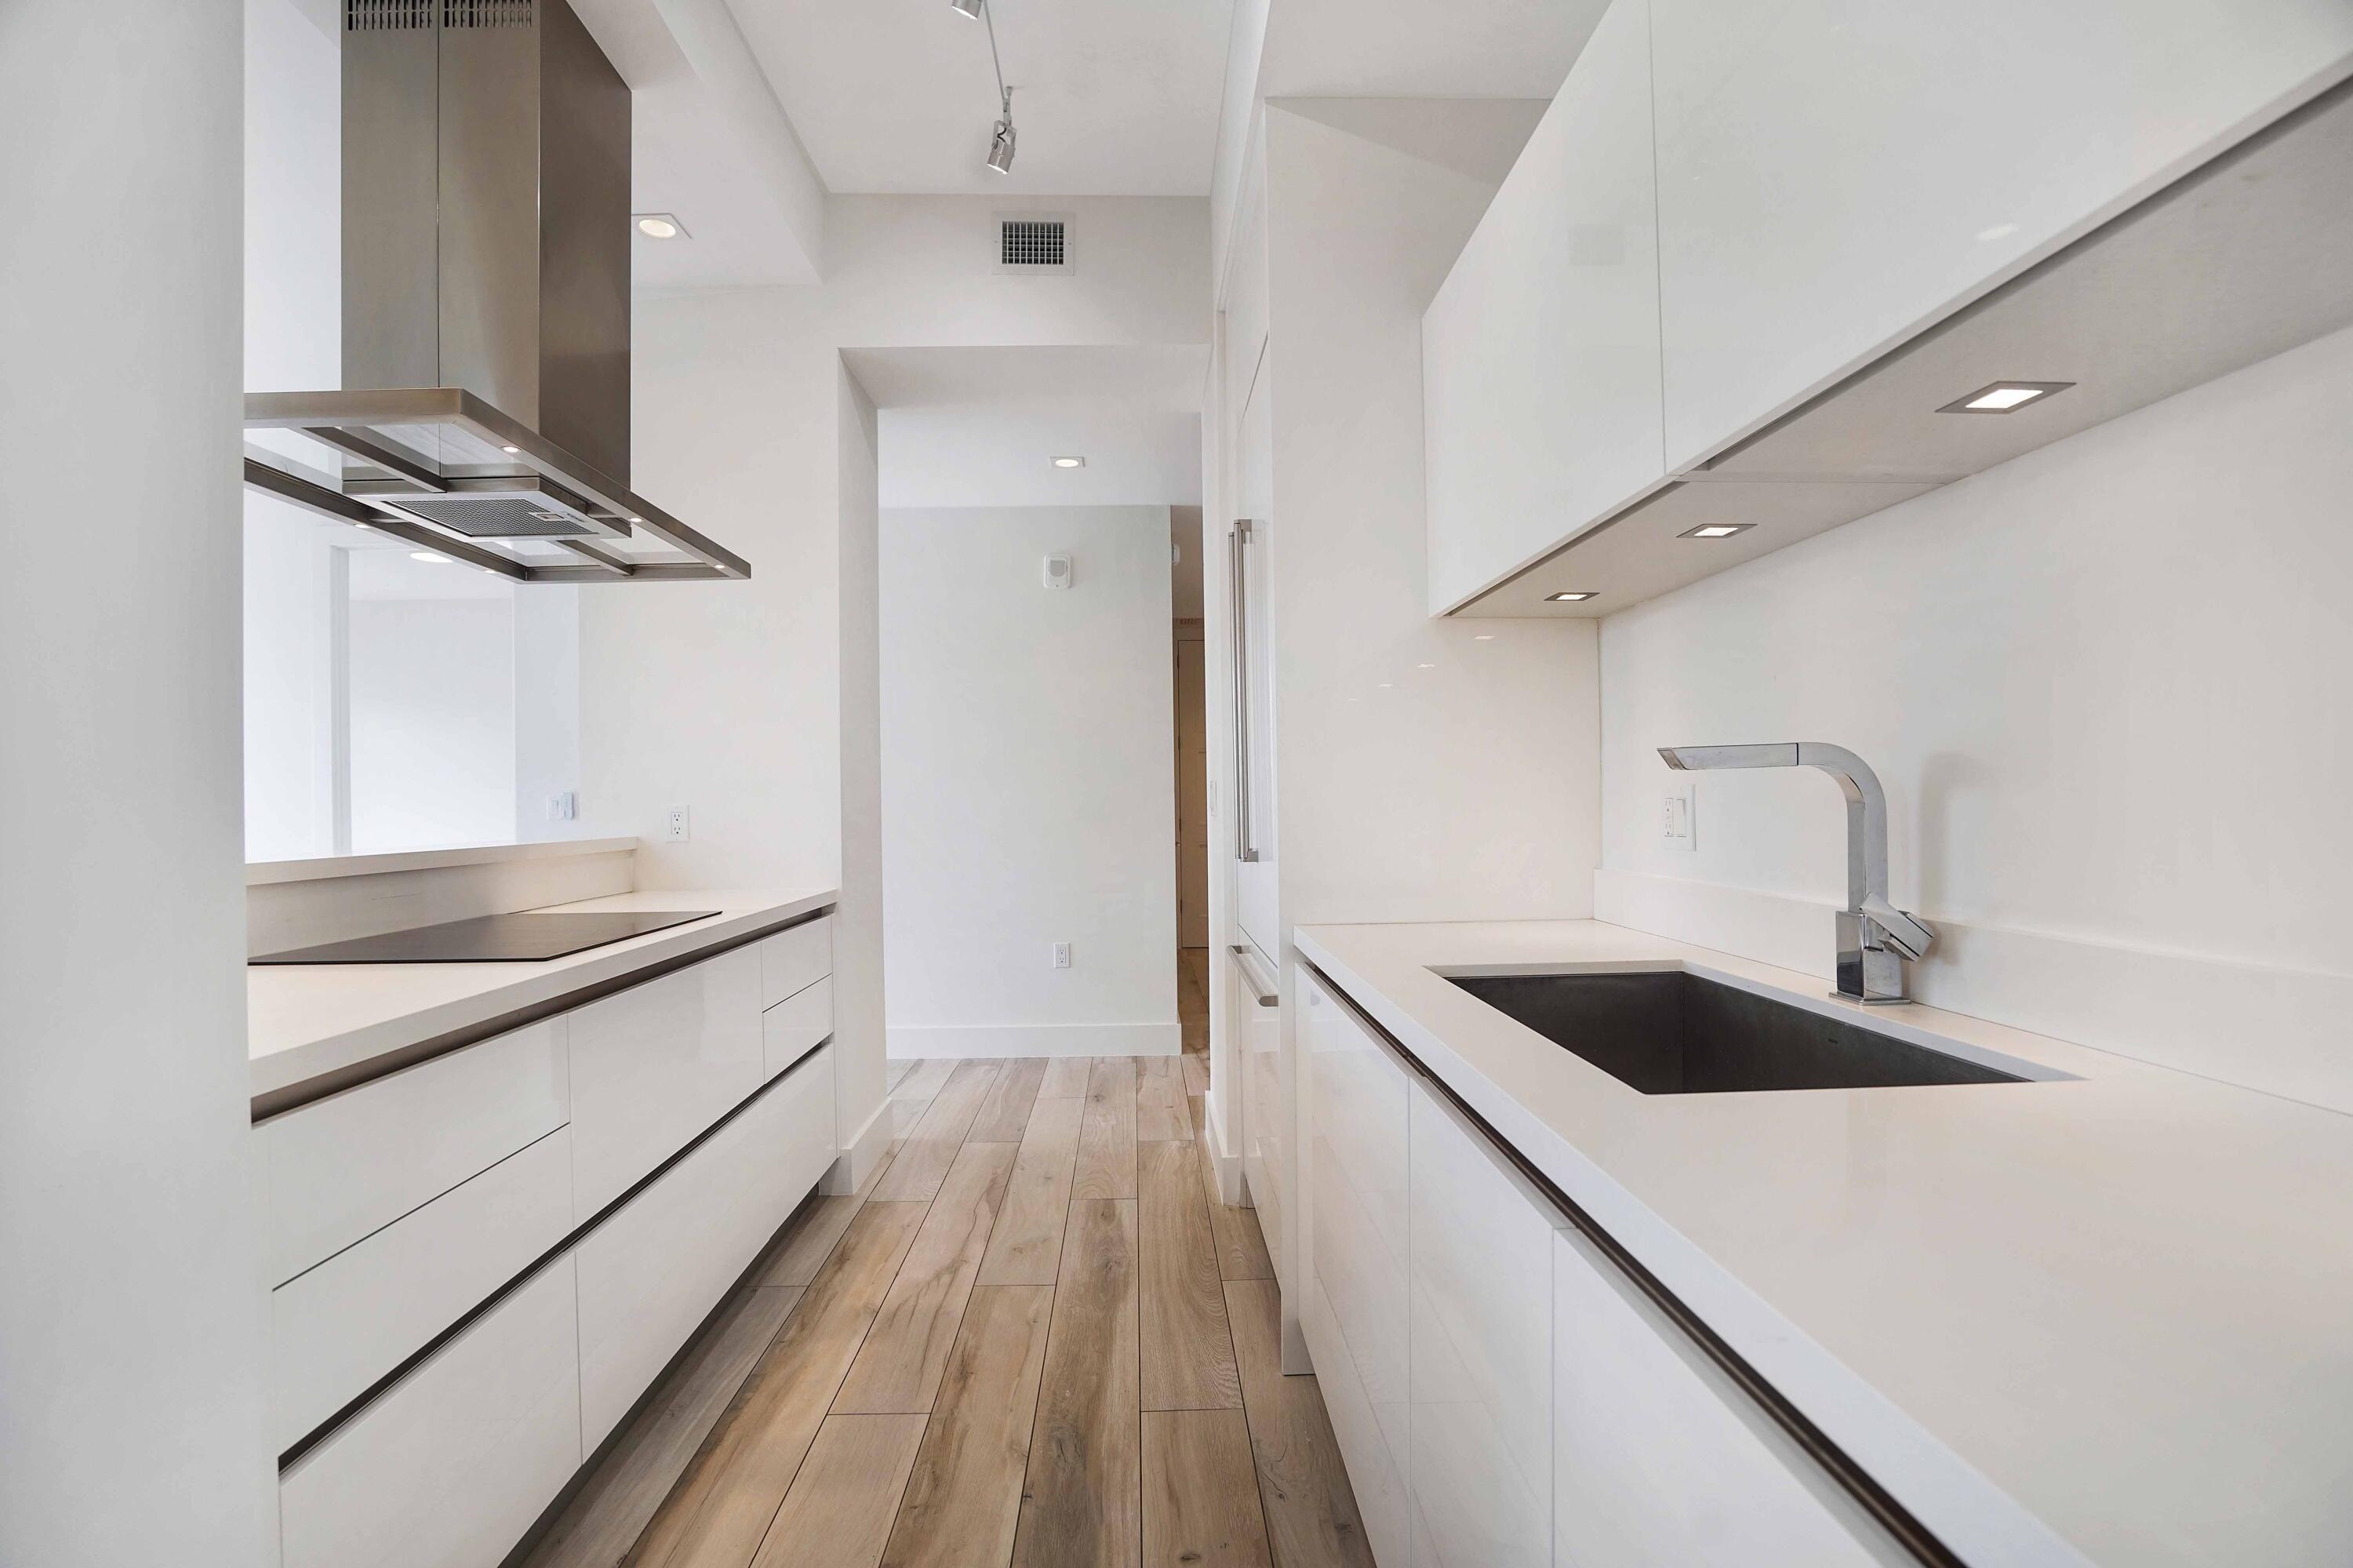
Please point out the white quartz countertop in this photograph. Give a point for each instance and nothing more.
(314, 1022)
(2104, 1318)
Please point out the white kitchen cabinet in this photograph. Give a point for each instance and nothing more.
(1355, 1110)
(1266, 1106)
(347, 1165)
(1251, 544)
(793, 1027)
(1835, 174)
(453, 1463)
(1660, 1461)
(339, 1326)
(1541, 400)
(1479, 1349)
(653, 1269)
(795, 958)
(654, 1066)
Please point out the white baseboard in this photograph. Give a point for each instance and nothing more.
(857, 1161)
(1036, 1039)
(2277, 1030)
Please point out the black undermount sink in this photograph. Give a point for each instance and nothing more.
(1669, 1032)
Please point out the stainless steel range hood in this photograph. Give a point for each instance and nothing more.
(485, 406)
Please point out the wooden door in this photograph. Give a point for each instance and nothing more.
(1192, 790)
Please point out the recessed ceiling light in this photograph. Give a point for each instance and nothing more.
(430, 557)
(660, 225)
(1578, 596)
(1716, 529)
(510, 451)
(2005, 397)
(1069, 463)
(1485, 637)
(1425, 666)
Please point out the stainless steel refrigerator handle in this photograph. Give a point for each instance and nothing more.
(1236, 543)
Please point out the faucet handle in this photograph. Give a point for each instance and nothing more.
(1906, 934)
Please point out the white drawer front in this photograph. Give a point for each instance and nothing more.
(653, 1270)
(1479, 1350)
(355, 1161)
(451, 1464)
(792, 1028)
(654, 1066)
(340, 1326)
(794, 959)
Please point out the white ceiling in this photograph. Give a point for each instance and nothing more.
(1414, 49)
(1112, 97)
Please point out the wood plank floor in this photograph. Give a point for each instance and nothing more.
(1036, 1339)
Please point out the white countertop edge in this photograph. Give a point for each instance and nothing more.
(1970, 1514)
(267, 872)
(288, 1067)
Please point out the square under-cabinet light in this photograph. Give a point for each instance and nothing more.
(1716, 529)
(2005, 397)
(1069, 463)
(1577, 597)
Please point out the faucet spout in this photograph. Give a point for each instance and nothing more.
(1876, 939)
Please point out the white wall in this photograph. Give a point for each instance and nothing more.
(293, 604)
(432, 723)
(546, 709)
(2104, 685)
(131, 1307)
(1028, 792)
(860, 1084)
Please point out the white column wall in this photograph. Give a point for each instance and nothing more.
(131, 1296)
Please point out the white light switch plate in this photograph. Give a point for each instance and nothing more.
(1678, 825)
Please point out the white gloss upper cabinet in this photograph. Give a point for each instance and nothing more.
(1354, 1109)
(1541, 408)
(1479, 1350)
(1835, 174)
(653, 1065)
(1660, 1461)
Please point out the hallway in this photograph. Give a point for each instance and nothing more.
(1035, 1338)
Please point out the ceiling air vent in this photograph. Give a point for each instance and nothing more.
(388, 15)
(1032, 242)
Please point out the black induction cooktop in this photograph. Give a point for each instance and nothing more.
(529, 937)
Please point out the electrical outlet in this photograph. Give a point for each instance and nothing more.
(1061, 955)
(677, 826)
(1677, 826)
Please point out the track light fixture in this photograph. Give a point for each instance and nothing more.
(1000, 138)
(1001, 134)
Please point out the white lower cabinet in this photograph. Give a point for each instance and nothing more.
(337, 1328)
(1479, 1349)
(792, 1028)
(452, 1463)
(653, 1065)
(1355, 1113)
(1267, 1153)
(1660, 1461)
(657, 1266)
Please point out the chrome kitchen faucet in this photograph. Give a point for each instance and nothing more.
(1874, 938)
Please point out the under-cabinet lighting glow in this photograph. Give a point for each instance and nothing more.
(512, 451)
(1716, 529)
(430, 557)
(1577, 597)
(2005, 397)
